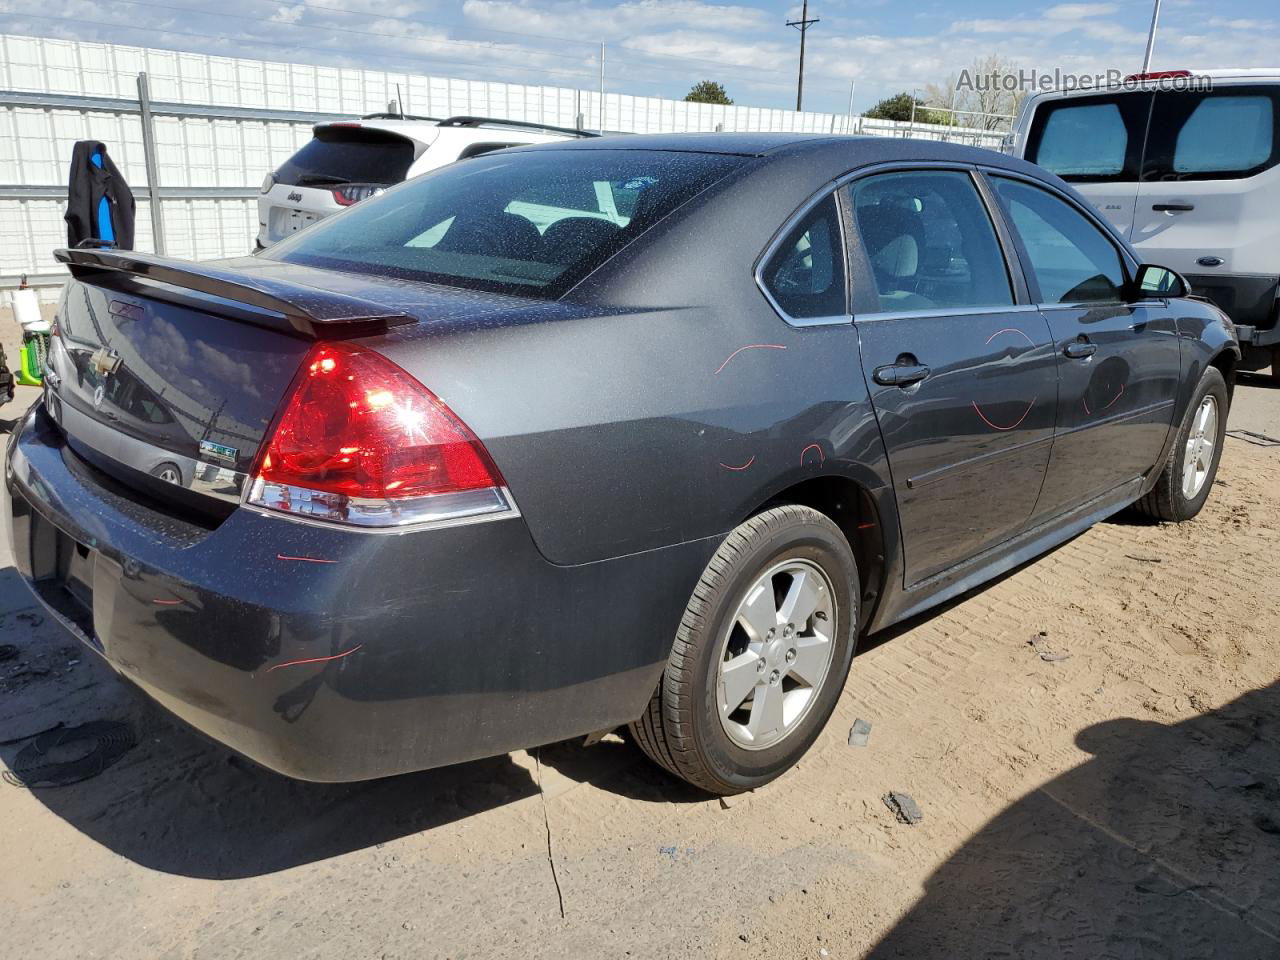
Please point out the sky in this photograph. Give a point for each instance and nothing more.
(663, 47)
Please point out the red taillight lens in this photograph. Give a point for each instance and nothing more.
(361, 441)
(355, 192)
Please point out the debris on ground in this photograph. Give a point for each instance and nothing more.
(1134, 556)
(1040, 643)
(100, 742)
(859, 733)
(904, 807)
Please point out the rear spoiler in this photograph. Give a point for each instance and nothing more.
(307, 310)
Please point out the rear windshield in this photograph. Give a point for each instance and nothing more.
(530, 223)
(348, 155)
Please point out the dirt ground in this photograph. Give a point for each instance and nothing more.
(1121, 802)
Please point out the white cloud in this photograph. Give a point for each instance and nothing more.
(1079, 11)
(599, 22)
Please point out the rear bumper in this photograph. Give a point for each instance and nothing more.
(1247, 300)
(328, 654)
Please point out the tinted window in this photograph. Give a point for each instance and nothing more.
(525, 223)
(930, 241)
(1221, 135)
(1071, 259)
(1090, 139)
(348, 155)
(805, 275)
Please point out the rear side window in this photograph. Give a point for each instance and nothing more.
(806, 274)
(528, 223)
(930, 241)
(341, 155)
(1225, 134)
(1090, 139)
(1071, 259)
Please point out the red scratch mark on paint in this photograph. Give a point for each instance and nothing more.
(1021, 333)
(750, 346)
(283, 556)
(865, 526)
(1085, 401)
(168, 603)
(336, 656)
(996, 426)
(741, 468)
(822, 457)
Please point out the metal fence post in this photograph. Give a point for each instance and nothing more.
(153, 165)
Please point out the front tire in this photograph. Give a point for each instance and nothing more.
(1188, 474)
(761, 654)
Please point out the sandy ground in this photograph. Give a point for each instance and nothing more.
(1122, 802)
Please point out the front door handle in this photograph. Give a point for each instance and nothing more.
(1079, 350)
(900, 374)
(1173, 207)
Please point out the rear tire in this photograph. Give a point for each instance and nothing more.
(789, 570)
(1188, 474)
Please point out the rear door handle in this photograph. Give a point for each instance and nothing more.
(900, 374)
(1173, 207)
(1079, 349)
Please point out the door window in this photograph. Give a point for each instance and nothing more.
(930, 241)
(805, 275)
(1227, 134)
(1090, 139)
(1071, 259)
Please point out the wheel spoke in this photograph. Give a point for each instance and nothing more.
(766, 712)
(757, 614)
(811, 660)
(801, 600)
(737, 677)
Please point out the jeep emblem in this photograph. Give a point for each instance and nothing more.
(295, 196)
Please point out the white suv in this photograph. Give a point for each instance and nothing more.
(1187, 166)
(349, 160)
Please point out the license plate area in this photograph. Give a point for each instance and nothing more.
(62, 574)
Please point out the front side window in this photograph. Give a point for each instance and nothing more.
(1071, 259)
(1226, 134)
(530, 224)
(930, 242)
(806, 273)
(1090, 139)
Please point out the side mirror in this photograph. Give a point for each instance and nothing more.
(1155, 281)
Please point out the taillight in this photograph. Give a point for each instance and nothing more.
(362, 442)
(355, 192)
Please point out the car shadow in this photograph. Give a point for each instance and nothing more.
(1258, 378)
(1165, 843)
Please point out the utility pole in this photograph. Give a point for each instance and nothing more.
(803, 25)
(1151, 38)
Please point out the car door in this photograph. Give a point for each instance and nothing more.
(1095, 143)
(1210, 186)
(960, 367)
(1118, 361)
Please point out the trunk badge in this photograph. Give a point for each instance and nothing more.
(218, 452)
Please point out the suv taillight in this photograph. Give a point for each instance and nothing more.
(355, 192)
(361, 442)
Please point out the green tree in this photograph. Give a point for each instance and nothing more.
(708, 91)
(898, 107)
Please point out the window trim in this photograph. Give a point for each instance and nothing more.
(1018, 285)
(1128, 263)
(793, 221)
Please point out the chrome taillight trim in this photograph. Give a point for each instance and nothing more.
(441, 509)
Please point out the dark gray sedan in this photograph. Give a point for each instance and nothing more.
(639, 431)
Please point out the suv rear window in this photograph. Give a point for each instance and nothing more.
(340, 155)
(530, 223)
(1090, 139)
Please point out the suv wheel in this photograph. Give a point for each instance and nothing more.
(761, 655)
